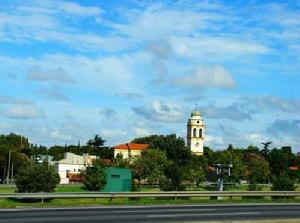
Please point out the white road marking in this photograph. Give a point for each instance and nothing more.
(195, 215)
(163, 210)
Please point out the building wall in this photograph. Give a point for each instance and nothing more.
(64, 168)
(125, 153)
(72, 163)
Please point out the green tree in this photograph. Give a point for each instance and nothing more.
(14, 145)
(118, 161)
(37, 178)
(266, 150)
(257, 170)
(94, 176)
(178, 155)
(283, 183)
(150, 165)
(173, 146)
(57, 152)
(97, 141)
(280, 161)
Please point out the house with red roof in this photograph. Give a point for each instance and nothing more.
(128, 150)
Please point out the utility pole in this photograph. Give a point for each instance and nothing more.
(8, 168)
(12, 172)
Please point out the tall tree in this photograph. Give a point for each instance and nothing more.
(97, 141)
(94, 177)
(280, 161)
(150, 165)
(173, 146)
(266, 150)
(257, 170)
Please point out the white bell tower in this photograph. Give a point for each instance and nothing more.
(195, 133)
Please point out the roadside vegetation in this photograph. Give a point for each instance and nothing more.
(167, 164)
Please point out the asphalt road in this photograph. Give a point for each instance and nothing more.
(176, 213)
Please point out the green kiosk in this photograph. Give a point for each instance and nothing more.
(117, 179)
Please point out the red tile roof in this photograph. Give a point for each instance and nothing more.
(132, 146)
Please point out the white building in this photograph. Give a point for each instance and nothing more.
(195, 133)
(72, 163)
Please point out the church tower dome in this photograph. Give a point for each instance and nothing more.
(195, 133)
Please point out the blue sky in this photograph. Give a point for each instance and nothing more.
(124, 69)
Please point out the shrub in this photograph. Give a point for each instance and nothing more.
(37, 178)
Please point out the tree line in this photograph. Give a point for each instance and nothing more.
(16, 152)
(168, 163)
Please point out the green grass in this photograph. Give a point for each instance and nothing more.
(9, 203)
(72, 202)
(7, 189)
(69, 188)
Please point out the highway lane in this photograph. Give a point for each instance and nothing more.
(176, 213)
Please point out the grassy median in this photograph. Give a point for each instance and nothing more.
(65, 202)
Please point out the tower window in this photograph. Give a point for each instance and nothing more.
(194, 132)
(198, 122)
(200, 133)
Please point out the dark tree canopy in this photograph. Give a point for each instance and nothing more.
(37, 178)
(94, 177)
(97, 141)
(173, 146)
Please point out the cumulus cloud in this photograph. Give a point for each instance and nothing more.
(281, 128)
(4, 99)
(57, 75)
(276, 103)
(140, 129)
(233, 112)
(112, 133)
(215, 47)
(204, 77)
(161, 49)
(160, 111)
(108, 113)
(55, 93)
(22, 112)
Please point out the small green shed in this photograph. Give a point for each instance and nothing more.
(117, 179)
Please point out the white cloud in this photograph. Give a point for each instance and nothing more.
(215, 47)
(59, 7)
(160, 111)
(13, 100)
(233, 112)
(112, 133)
(216, 141)
(140, 129)
(76, 9)
(203, 77)
(53, 75)
(277, 103)
(22, 112)
(155, 22)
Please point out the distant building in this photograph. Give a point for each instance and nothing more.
(72, 164)
(128, 150)
(195, 133)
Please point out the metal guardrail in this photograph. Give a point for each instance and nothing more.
(170, 194)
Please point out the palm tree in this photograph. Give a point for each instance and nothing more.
(96, 142)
